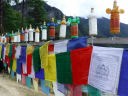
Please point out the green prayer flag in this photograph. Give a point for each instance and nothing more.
(11, 63)
(93, 91)
(10, 51)
(63, 64)
(36, 60)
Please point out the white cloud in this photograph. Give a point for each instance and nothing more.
(82, 7)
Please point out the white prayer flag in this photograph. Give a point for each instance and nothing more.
(60, 47)
(32, 75)
(18, 77)
(107, 94)
(105, 68)
(56, 91)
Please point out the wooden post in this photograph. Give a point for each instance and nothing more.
(23, 3)
(1, 17)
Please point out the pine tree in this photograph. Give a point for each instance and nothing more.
(38, 12)
(2, 3)
(12, 19)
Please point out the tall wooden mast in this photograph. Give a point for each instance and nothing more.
(1, 17)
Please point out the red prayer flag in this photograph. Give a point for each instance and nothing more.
(29, 63)
(50, 47)
(13, 51)
(7, 60)
(80, 59)
(75, 90)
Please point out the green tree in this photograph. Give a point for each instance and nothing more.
(2, 9)
(12, 18)
(38, 12)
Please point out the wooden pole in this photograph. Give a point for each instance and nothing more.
(1, 17)
(22, 24)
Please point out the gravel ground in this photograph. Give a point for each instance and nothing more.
(9, 87)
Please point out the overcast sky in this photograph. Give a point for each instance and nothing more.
(82, 7)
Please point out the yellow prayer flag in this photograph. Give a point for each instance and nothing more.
(14, 66)
(50, 70)
(44, 54)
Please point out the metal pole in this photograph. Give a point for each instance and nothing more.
(92, 40)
